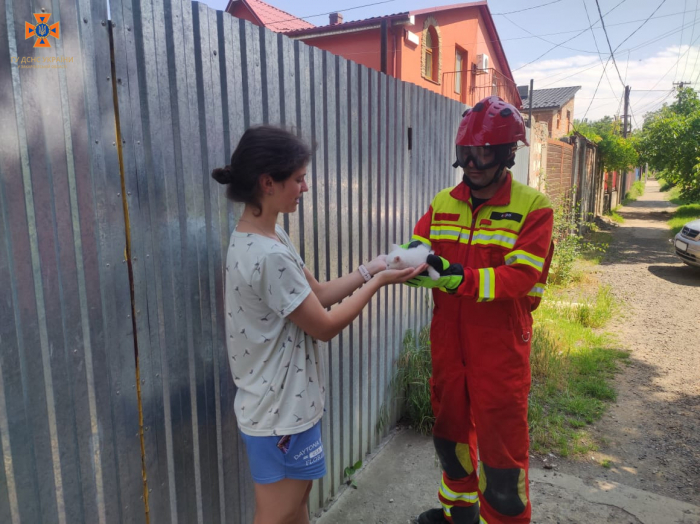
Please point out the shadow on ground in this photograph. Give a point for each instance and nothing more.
(680, 274)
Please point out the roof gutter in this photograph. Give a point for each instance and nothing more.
(407, 20)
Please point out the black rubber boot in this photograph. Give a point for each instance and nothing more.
(432, 516)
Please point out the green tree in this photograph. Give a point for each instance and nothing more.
(670, 142)
(617, 153)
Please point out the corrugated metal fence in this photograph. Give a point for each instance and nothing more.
(521, 169)
(84, 215)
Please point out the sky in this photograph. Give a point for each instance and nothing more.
(649, 57)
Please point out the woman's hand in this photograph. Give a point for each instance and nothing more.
(377, 265)
(399, 276)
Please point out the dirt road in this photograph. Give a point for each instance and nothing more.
(651, 436)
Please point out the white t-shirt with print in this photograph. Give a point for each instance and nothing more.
(277, 367)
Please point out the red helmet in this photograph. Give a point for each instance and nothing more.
(491, 122)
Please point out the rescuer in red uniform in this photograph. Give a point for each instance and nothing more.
(492, 241)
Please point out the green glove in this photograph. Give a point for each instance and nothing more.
(412, 244)
(451, 275)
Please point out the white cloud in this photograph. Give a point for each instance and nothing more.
(655, 72)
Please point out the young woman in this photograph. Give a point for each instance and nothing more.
(275, 312)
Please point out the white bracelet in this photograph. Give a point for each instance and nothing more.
(365, 273)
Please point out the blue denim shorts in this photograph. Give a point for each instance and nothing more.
(299, 456)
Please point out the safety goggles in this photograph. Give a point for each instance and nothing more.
(482, 157)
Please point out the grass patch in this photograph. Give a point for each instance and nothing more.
(664, 185)
(607, 464)
(411, 380)
(615, 216)
(573, 365)
(597, 243)
(636, 190)
(687, 210)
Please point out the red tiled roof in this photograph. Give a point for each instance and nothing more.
(345, 25)
(273, 18)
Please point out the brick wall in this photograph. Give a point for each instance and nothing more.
(563, 120)
(559, 122)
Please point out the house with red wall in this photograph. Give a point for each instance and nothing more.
(453, 50)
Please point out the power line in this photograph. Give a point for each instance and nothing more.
(609, 25)
(681, 44)
(619, 105)
(596, 88)
(549, 41)
(565, 41)
(660, 37)
(659, 100)
(612, 53)
(526, 9)
(691, 37)
(669, 70)
(586, 66)
(595, 40)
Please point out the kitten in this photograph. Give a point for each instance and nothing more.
(400, 258)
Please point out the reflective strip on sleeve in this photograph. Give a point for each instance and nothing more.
(525, 258)
(421, 240)
(452, 496)
(444, 232)
(487, 285)
(537, 291)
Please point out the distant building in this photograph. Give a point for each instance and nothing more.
(453, 50)
(553, 106)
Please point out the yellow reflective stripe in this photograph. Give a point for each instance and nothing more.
(482, 520)
(454, 497)
(537, 291)
(444, 232)
(421, 240)
(523, 257)
(522, 488)
(446, 508)
(487, 285)
(499, 238)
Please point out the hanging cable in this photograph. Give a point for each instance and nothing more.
(612, 53)
(596, 46)
(680, 46)
(549, 41)
(526, 9)
(596, 90)
(669, 70)
(696, 53)
(565, 41)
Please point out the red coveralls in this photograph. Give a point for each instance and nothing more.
(480, 342)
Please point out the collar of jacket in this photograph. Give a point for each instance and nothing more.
(502, 197)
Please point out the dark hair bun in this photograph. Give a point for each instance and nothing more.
(223, 175)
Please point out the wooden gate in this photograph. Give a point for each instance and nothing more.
(559, 168)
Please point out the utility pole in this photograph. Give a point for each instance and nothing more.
(529, 116)
(627, 104)
(681, 84)
(624, 187)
